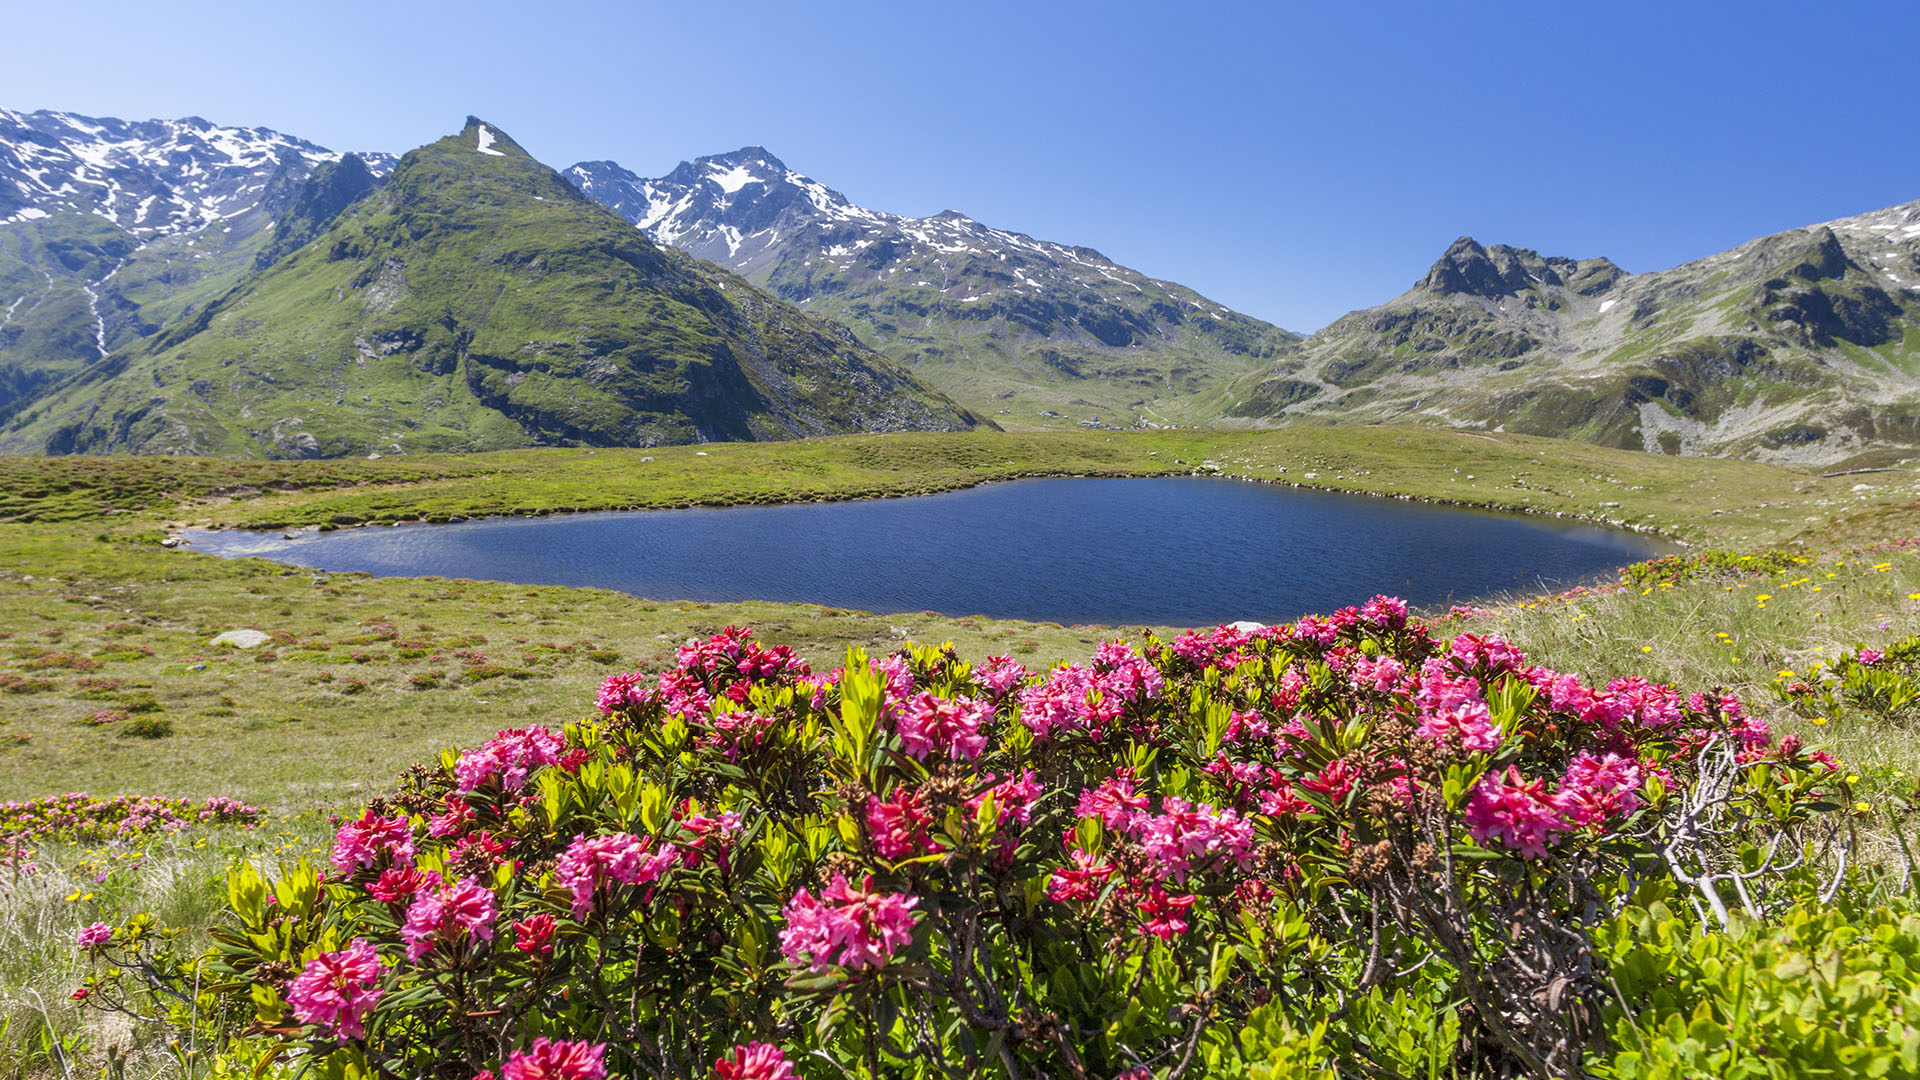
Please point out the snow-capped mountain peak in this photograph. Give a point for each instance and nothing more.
(1039, 312)
(150, 177)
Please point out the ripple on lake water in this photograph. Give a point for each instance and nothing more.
(1175, 550)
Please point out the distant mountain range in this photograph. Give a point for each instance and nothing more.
(1035, 333)
(181, 286)
(1803, 346)
(110, 229)
(475, 300)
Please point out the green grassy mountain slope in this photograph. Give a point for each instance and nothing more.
(1033, 333)
(476, 301)
(1798, 347)
(110, 229)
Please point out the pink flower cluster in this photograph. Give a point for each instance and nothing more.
(900, 827)
(93, 936)
(80, 816)
(1452, 705)
(1184, 837)
(1082, 881)
(845, 926)
(1072, 699)
(733, 652)
(448, 914)
(1013, 798)
(950, 728)
(1000, 675)
(557, 1059)
(365, 842)
(510, 756)
(1524, 817)
(336, 990)
(591, 861)
(754, 1061)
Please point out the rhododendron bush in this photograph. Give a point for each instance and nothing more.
(921, 865)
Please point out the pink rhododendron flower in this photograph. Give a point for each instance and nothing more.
(854, 928)
(1452, 705)
(1315, 629)
(1129, 676)
(1870, 657)
(732, 652)
(1650, 705)
(97, 934)
(682, 694)
(625, 692)
(337, 990)
(900, 827)
(397, 884)
(735, 731)
(1114, 802)
(362, 843)
(1335, 781)
(1219, 647)
(1072, 699)
(451, 914)
(1491, 653)
(1380, 675)
(1183, 836)
(1012, 798)
(556, 1059)
(533, 935)
(999, 675)
(1083, 882)
(1280, 801)
(1517, 814)
(754, 1061)
(897, 675)
(1385, 612)
(457, 818)
(482, 841)
(590, 861)
(1164, 916)
(510, 756)
(943, 728)
(1599, 788)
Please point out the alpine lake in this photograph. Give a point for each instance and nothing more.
(1169, 551)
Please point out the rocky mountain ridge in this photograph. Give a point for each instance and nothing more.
(1039, 333)
(1803, 346)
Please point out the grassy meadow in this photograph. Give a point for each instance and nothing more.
(365, 676)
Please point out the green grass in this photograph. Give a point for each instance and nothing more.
(179, 877)
(335, 708)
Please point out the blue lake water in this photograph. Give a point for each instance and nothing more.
(1183, 551)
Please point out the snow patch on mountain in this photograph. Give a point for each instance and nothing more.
(732, 180)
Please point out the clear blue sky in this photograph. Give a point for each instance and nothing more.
(1292, 161)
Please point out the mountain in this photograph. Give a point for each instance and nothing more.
(1798, 347)
(474, 301)
(110, 229)
(1034, 333)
